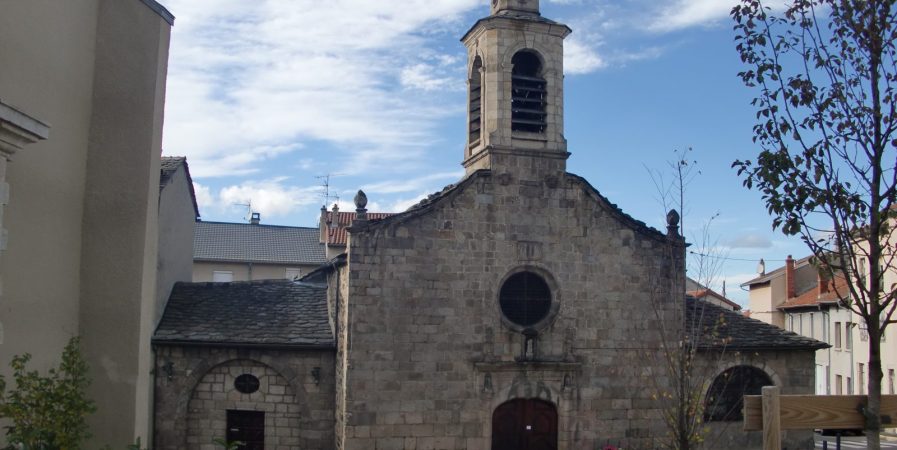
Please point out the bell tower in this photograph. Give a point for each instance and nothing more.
(515, 90)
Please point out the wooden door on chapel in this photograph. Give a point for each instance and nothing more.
(525, 424)
(247, 427)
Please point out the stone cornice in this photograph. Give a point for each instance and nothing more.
(18, 129)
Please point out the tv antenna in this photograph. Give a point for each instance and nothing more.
(325, 188)
(248, 207)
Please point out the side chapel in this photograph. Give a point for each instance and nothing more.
(515, 309)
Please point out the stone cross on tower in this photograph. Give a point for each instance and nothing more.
(516, 90)
(531, 6)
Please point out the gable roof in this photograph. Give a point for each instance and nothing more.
(453, 189)
(244, 242)
(722, 328)
(336, 232)
(169, 166)
(269, 313)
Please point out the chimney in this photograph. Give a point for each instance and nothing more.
(789, 277)
(256, 218)
(334, 216)
(823, 283)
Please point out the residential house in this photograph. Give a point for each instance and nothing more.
(82, 90)
(704, 293)
(808, 304)
(508, 310)
(224, 251)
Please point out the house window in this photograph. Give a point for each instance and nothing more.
(891, 381)
(725, 398)
(476, 101)
(791, 322)
(528, 93)
(861, 375)
(525, 299)
(293, 273)
(848, 344)
(849, 386)
(838, 382)
(838, 335)
(222, 276)
(812, 327)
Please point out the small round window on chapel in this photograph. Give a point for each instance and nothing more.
(525, 299)
(246, 383)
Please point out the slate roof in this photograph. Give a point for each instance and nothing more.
(169, 166)
(244, 242)
(337, 234)
(723, 328)
(272, 313)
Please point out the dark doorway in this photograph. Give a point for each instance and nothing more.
(525, 425)
(247, 427)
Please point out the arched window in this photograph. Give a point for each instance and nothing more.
(528, 94)
(525, 299)
(725, 398)
(476, 100)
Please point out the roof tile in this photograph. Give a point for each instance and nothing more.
(220, 241)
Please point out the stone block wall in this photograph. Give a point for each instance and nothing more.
(195, 388)
(426, 331)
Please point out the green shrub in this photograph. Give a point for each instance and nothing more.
(48, 412)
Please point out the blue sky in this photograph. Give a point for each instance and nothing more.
(264, 100)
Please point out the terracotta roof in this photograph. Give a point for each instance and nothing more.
(244, 242)
(337, 234)
(706, 292)
(721, 328)
(812, 296)
(270, 313)
(169, 166)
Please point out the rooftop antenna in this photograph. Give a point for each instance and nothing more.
(248, 207)
(325, 188)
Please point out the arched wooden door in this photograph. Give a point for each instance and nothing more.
(525, 424)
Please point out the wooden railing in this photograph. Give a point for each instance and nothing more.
(773, 413)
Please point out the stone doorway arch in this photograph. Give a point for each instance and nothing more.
(525, 424)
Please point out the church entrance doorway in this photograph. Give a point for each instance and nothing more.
(247, 427)
(525, 424)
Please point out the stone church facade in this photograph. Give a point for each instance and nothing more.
(518, 308)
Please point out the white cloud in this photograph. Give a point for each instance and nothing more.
(579, 58)
(271, 198)
(688, 13)
(424, 77)
(412, 184)
(243, 82)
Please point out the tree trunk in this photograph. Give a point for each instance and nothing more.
(873, 407)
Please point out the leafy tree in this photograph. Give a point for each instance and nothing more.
(48, 412)
(824, 73)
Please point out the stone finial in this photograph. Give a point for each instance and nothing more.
(673, 223)
(361, 201)
(530, 6)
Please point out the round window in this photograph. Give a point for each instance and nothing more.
(525, 299)
(246, 383)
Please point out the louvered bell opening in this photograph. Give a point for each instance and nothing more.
(525, 299)
(528, 104)
(528, 94)
(476, 110)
